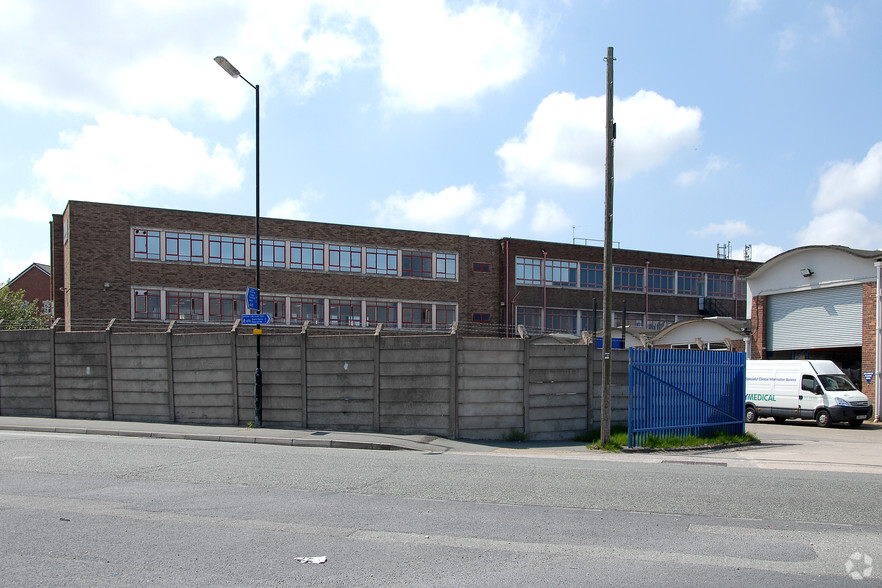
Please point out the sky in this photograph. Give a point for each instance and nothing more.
(738, 122)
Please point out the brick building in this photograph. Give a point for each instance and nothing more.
(36, 281)
(141, 264)
(820, 302)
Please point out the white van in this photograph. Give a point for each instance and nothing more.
(803, 389)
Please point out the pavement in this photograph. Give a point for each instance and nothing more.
(793, 445)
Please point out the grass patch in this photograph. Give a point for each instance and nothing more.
(514, 435)
(618, 439)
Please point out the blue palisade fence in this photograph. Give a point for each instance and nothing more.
(684, 392)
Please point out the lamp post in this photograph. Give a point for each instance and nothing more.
(258, 383)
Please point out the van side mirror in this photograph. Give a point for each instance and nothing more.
(817, 389)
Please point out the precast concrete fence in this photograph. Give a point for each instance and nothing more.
(444, 385)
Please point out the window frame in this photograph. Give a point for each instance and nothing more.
(236, 246)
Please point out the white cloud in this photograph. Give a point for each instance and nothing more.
(834, 19)
(691, 177)
(850, 184)
(787, 41)
(564, 142)
(842, 227)
(289, 208)
(725, 230)
(27, 207)
(425, 209)
(123, 158)
(763, 252)
(155, 57)
(506, 215)
(549, 219)
(432, 57)
(13, 263)
(741, 8)
(845, 188)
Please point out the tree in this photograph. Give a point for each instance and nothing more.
(17, 313)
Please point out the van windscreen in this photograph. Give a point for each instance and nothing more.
(834, 382)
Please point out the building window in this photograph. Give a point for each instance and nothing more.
(445, 315)
(344, 312)
(225, 307)
(227, 250)
(184, 247)
(661, 281)
(308, 256)
(146, 244)
(417, 264)
(308, 309)
(689, 284)
(531, 318)
(184, 306)
(481, 317)
(272, 253)
(719, 285)
(657, 322)
(416, 316)
(741, 288)
(445, 266)
(561, 273)
(627, 278)
(275, 306)
(591, 276)
(528, 271)
(560, 320)
(381, 261)
(382, 312)
(344, 258)
(481, 268)
(147, 304)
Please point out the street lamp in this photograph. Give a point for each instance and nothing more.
(258, 384)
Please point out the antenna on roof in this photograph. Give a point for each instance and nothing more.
(724, 250)
(748, 252)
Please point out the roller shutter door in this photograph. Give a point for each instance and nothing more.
(829, 317)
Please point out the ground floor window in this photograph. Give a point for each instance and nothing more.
(225, 307)
(148, 304)
(184, 306)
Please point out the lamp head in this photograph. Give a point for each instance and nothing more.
(227, 66)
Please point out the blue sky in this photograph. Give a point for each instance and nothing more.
(743, 121)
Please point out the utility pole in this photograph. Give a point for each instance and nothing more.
(605, 408)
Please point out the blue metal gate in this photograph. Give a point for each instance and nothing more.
(680, 392)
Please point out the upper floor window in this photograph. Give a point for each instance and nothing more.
(689, 284)
(591, 276)
(229, 250)
(528, 271)
(305, 255)
(741, 288)
(561, 273)
(381, 261)
(445, 266)
(344, 258)
(272, 253)
(146, 244)
(481, 267)
(627, 278)
(417, 264)
(184, 247)
(720, 285)
(661, 281)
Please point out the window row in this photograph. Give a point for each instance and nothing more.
(572, 274)
(183, 305)
(574, 321)
(303, 255)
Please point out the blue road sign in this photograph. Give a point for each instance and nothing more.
(251, 298)
(255, 319)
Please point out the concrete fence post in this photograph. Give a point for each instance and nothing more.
(376, 419)
(170, 362)
(304, 393)
(52, 384)
(108, 352)
(234, 356)
(453, 428)
(525, 343)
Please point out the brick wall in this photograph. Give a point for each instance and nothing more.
(868, 354)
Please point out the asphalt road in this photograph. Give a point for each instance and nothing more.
(80, 510)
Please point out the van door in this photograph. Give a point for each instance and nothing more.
(810, 396)
(785, 393)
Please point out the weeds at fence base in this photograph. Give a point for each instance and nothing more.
(618, 440)
(514, 435)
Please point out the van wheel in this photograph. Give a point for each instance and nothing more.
(823, 418)
(750, 415)
(780, 420)
(855, 424)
